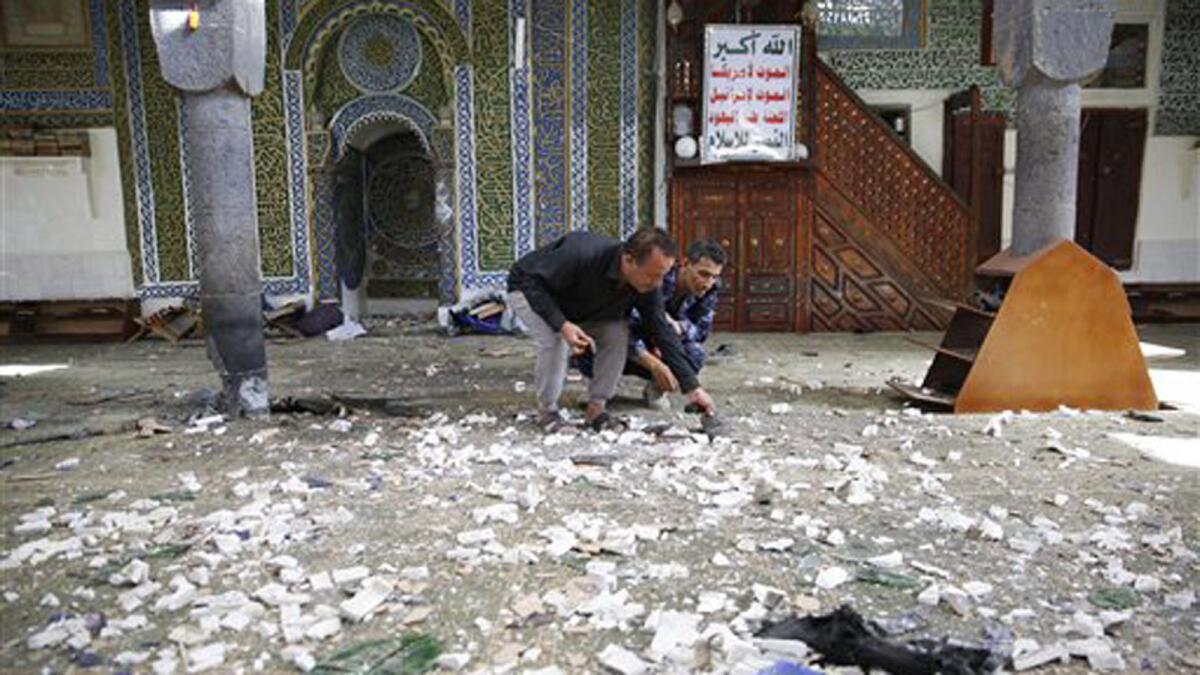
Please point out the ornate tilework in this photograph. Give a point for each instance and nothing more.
(647, 102)
(323, 19)
(369, 109)
(462, 14)
(495, 94)
(522, 145)
(297, 185)
(82, 99)
(379, 53)
(548, 59)
(189, 217)
(464, 126)
(579, 115)
(1179, 94)
(629, 114)
(137, 132)
(949, 61)
(99, 43)
(604, 116)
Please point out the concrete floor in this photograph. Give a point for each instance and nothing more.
(837, 476)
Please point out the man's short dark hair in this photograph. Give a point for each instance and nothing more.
(642, 244)
(706, 248)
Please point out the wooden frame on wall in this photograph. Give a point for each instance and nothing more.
(44, 24)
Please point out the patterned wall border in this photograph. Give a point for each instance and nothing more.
(579, 131)
(462, 14)
(143, 183)
(184, 154)
(369, 109)
(549, 66)
(299, 281)
(99, 43)
(629, 115)
(520, 111)
(464, 141)
(99, 98)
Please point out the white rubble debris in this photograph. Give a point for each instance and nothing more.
(622, 661)
(372, 593)
(832, 577)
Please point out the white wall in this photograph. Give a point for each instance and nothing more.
(62, 226)
(925, 108)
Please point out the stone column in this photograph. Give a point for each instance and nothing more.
(213, 52)
(1047, 48)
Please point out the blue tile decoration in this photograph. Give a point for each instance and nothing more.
(184, 152)
(464, 130)
(369, 109)
(549, 62)
(629, 115)
(75, 99)
(462, 14)
(579, 130)
(522, 139)
(379, 53)
(288, 14)
(143, 185)
(293, 102)
(298, 282)
(99, 43)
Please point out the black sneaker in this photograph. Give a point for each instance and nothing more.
(605, 422)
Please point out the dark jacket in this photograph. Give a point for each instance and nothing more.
(577, 278)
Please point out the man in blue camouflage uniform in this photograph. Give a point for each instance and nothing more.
(689, 293)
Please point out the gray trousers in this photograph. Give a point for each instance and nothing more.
(553, 354)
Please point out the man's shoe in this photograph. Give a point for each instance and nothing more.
(655, 398)
(605, 422)
(551, 422)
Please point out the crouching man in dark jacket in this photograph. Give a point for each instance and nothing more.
(689, 292)
(575, 295)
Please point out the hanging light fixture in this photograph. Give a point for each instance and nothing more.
(675, 14)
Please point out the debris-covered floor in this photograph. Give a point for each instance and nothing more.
(434, 520)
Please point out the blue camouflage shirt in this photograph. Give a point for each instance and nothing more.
(693, 313)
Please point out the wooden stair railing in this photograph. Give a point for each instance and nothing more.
(893, 189)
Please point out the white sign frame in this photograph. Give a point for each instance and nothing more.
(755, 150)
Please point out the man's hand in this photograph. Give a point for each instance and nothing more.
(700, 398)
(577, 340)
(674, 324)
(664, 379)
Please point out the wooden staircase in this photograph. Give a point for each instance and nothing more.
(892, 242)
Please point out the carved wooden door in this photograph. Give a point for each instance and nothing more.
(767, 219)
(753, 216)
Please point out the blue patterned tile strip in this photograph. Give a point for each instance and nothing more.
(322, 216)
(628, 139)
(464, 130)
(99, 43)
(293, 102)
(521, 140)
(579, 130)
(144, 187)
(368, 109)
(82, 99)
(549, 62)
(288, 14)
(188, 217)
(462, 14)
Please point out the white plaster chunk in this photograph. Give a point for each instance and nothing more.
(623, 661)
(373, 592)
(832, 577)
